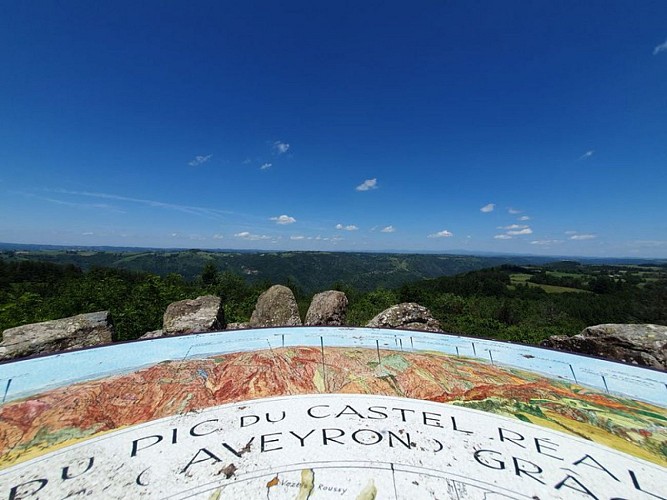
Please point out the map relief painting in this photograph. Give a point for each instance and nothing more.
(309, 421)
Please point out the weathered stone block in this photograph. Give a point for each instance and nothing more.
(84, 330)
(643, 344)
(203, 314)
(276, 307)
(327, 308)
(407, 315)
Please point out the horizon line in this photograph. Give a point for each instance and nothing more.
(454, 252)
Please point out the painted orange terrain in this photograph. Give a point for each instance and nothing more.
(44, 422)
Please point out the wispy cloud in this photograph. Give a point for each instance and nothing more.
(524, 218)
(441, 234)
(350, 227)
(266, 166)
(587, 154)
(583, 236)
(520, 232)
(513, 211)
(388, 229)
(280, 147)
(218, 236)
(660, 48)
(192, 210)
(245, 235)
(199, 160)
(545, 242)
(650, 243)
(296, 238)
(98, 206)
(283, 219)
(513, 230)
(488, 208)
(367, 185)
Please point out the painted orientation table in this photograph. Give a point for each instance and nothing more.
(325, 412)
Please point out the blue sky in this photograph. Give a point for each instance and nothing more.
(524, 127)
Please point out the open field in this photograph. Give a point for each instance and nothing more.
(522, 279)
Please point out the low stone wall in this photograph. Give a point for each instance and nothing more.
(644, 345)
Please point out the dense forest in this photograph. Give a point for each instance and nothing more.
(311, 271)
(511, 302)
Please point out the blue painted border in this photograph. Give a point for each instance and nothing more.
(19, 379)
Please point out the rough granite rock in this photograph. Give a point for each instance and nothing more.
(237, 326)
(276, 307)
(84, 330)
(327, 308)
(203, 314)
(152, 335)
(407, 315)
(644, 345)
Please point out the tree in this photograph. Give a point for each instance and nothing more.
(209, 275)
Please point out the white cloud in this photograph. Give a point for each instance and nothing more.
(513, 226)
(583, 236)
(367, 185)
(488, 208)
(265, 166)
(247, 161)
(526, 230)
(650, 243)
(245, 235)
(570, 232)
(502, 237)
(545, 242)
(218, 236)
(87, 233)
(513, 211)
(524, 218)
(199, 160)
(350, 227)
(283, 219)
(660, 48)
(280, 147)
(388, 229)
(295, 238)
(587, 154)
(441, 234)
(192, 210)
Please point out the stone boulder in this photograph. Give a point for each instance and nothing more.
(84, 330)
(237, 326)
(408, 315)
(276, 307)
(644, 345)
(152, 335)
(327, 308)
(203, 314)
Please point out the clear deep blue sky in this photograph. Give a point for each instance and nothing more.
(526, 127)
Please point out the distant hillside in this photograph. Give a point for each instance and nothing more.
(525, 303)
(311, 271)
